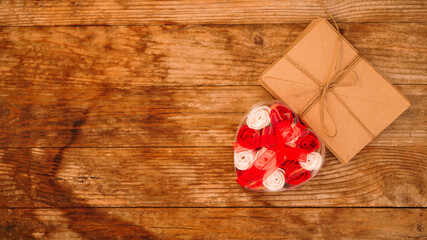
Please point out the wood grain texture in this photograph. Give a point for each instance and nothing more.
(157, 116)
(208, 223)
(117, 117)
(131, 56)
(137, 12)
(200, 177)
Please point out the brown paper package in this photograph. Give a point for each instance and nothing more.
(358, 111)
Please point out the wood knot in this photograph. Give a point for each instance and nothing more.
(257, 39)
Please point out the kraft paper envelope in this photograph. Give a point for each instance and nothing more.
(362, 105)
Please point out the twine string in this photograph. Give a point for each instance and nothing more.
(334, 79)
(329, 14)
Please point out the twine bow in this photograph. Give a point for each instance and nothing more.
(323, 91)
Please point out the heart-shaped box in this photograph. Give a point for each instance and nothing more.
(274, 151)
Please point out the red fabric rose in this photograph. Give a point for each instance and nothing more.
(268, 136)
(301, 126)
(308, 141)
(287, 164)
(294, 173)
(249, 138)
(281, 114)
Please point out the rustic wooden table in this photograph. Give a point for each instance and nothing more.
(117, 117)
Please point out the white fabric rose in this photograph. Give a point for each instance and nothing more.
(314, 161)
(243, 160)
(258, 118)
(275, 181)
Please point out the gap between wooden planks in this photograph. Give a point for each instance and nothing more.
(138, 12)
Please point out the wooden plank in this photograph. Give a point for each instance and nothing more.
(137, 12)
(200, 177)
(208, 223)
(156, 116)
(133, 56)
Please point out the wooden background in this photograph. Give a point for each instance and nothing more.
(117, 117)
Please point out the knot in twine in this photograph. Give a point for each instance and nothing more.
(322, 92)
